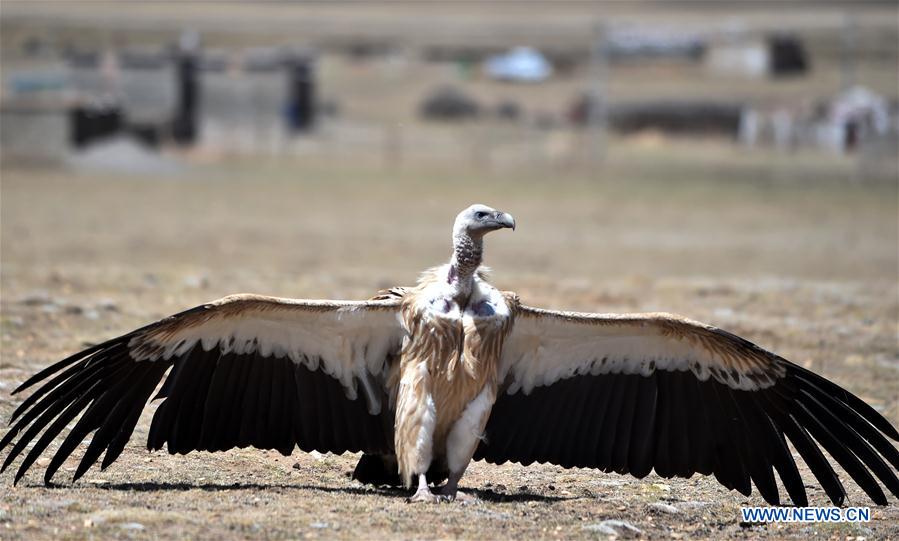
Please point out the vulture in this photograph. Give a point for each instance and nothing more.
(422, 380)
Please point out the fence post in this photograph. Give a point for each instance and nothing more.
(184, 125)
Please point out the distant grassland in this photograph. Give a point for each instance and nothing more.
(704, 196)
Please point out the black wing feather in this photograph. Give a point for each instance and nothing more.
(643, 431)
(212, 401)
(609, 424)
(662, 451)
(688, 425)
(680, 424)
(625, 423)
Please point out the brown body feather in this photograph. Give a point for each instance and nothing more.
(446, 364)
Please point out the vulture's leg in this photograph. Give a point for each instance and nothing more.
(424, 494)
(450, 490)
(463, 439)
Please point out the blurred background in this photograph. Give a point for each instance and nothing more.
(735, 162)
(331, 144)
(521, 84)
(190, 150)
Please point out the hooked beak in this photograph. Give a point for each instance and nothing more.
(504, 219)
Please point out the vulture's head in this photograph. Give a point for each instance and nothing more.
(477, 220)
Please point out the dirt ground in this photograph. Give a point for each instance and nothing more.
(786, 252)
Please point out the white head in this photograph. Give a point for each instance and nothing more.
(478, 220)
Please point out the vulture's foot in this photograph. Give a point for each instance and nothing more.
(450, 491)
(424, 494)
(456, 495)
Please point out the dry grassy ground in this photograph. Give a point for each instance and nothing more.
(781, 250)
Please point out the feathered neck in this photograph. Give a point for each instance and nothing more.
(468, 251)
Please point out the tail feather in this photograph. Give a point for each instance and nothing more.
(382, 470)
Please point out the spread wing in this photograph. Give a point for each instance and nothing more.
(245, 371)
(632, 393)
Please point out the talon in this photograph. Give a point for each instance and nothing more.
(424, 496)
(449, 493)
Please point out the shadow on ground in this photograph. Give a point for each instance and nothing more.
(486, 495)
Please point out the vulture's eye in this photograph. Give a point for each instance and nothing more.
(480, 215)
